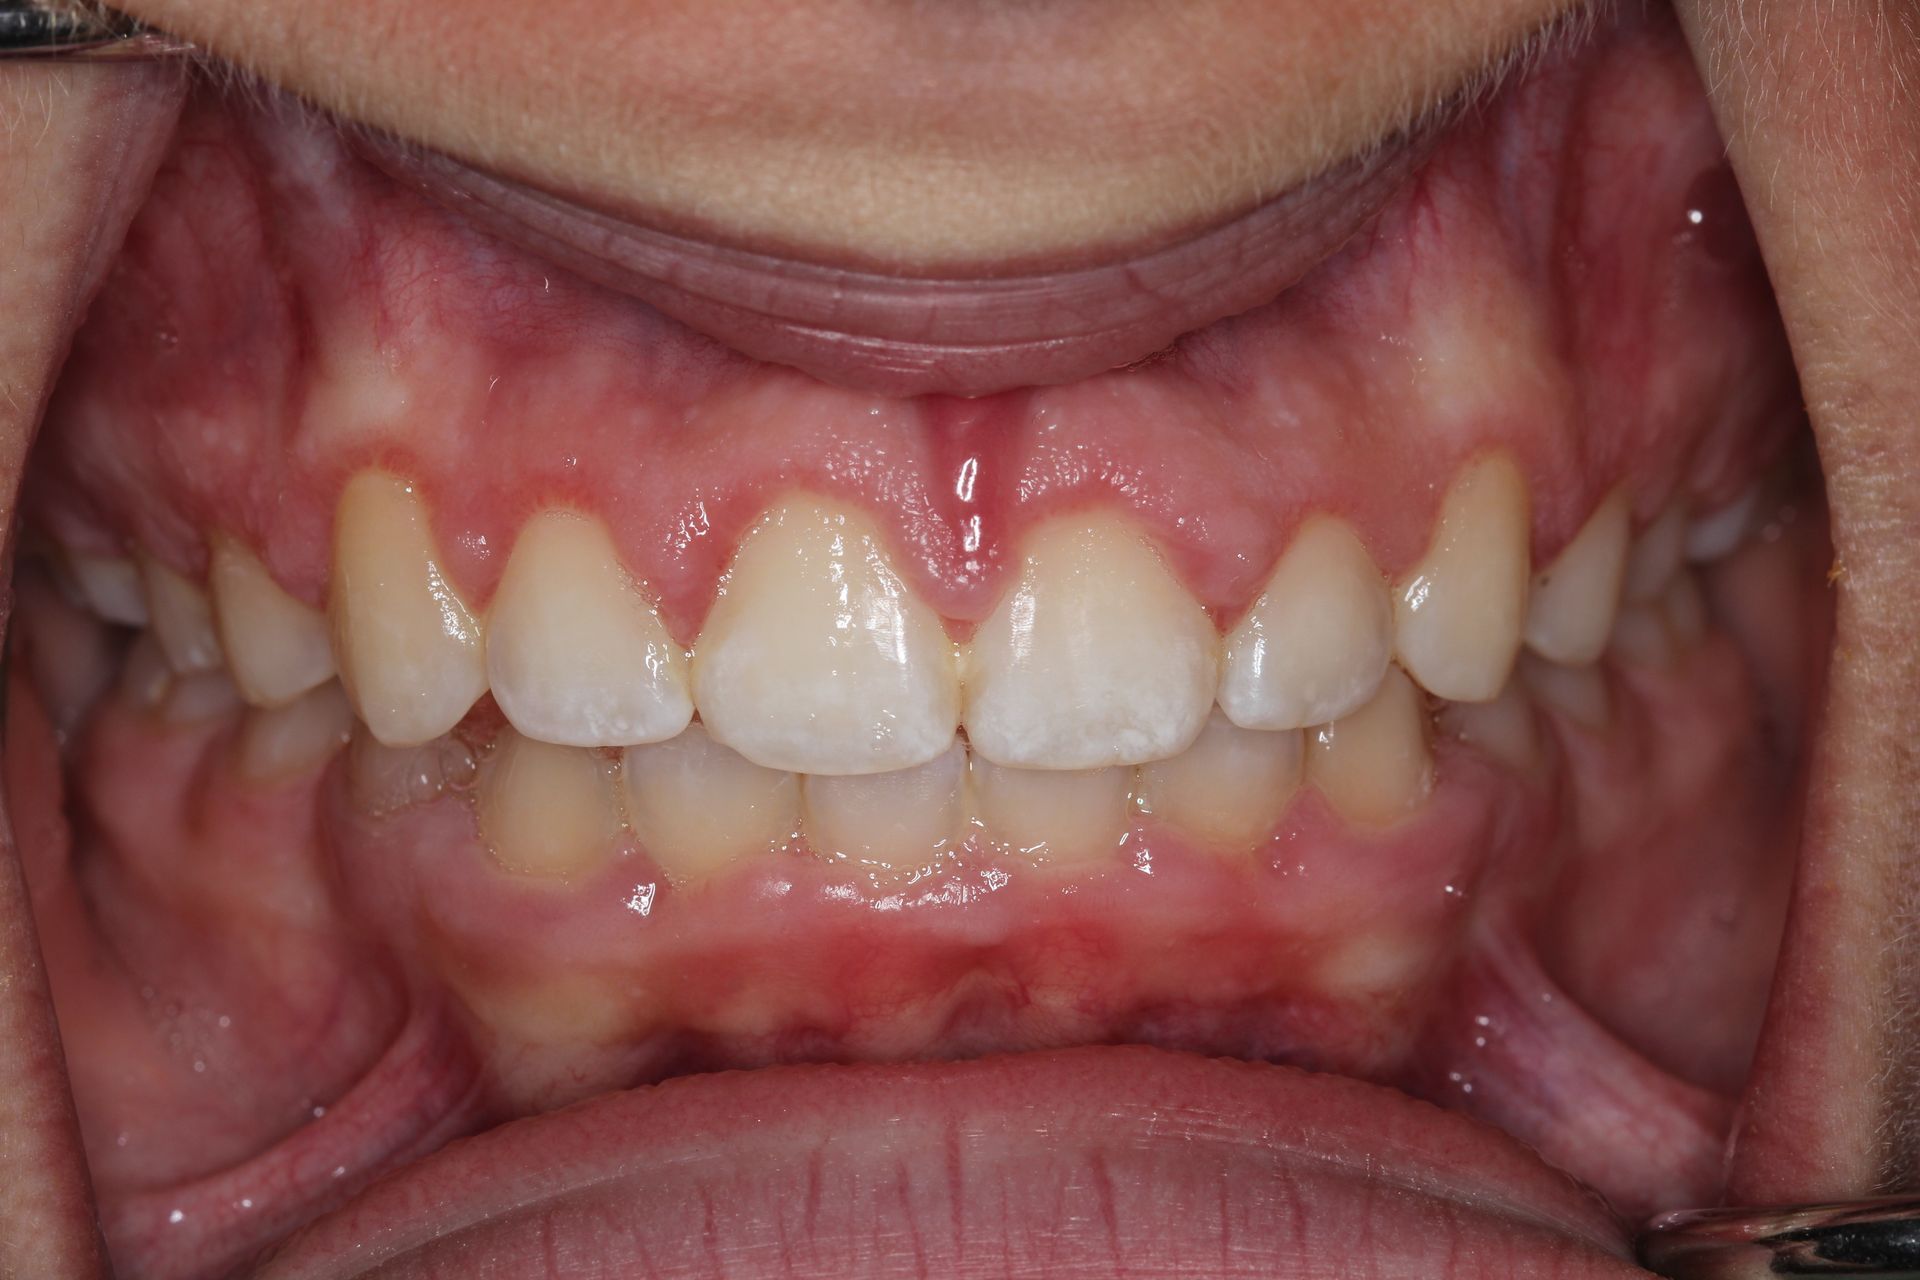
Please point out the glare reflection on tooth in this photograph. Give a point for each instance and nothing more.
(1229, 789)
(277, 646)
(182, 618)
(1458, 613)
(111, 585)
(816, 658)
(575, 654)
(1374, 766)
(697, 806)
(1570, 611)
(1317, 641)
(888, 821)
(1656, 555)
(411, 653)
(1097, 655)
(294, 739)
(1717, 534)
(1053, 816)
(546, 810)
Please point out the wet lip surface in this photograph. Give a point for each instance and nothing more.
(966, 334)
(1083, 1161)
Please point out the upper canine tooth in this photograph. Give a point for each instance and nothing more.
(277, 646)
(1317, 641)
(1656, 555)
(1570, 613)
(411, 654)
(182, 619)
(887, 821)
(816, 657)
(1374, 767)
(1229, 788)
(575, 654)
(111, 585)
(1097, 656)
(1458, 612)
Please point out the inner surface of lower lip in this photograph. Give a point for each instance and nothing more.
(461, 691)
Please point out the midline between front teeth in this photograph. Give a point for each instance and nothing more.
(817, 658)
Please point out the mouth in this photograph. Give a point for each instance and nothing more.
(511, 768)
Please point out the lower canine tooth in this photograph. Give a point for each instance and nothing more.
(1574, 599)
(575, 654)
(1458, 612)
(816, 658)
(1656, 555)
(1578, 693)
(697, 806)
(278, 743)
(201, 695)
(1374, 766)
(1053, 815)
(890, 820)
(546, 810)
(411, 653)
(111, 585)
(385, 780)
(1503, 728)
(1097, 656)
(1317, 641)
(1229, 788)
(182, 618)
(277, 646)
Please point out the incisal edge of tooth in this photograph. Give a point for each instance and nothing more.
(293, 739)
(696, 806)
(1570, 611)
(1097, 656)
(277, 646)
(546, 810)
(1374, 767)
(111, 585)
(182, 619)
(1317, 641)
(895, 820)
(1055, 816)
(1458, 613)
(1230, 788)
(411, 653)
(816, 658)
(575, 654)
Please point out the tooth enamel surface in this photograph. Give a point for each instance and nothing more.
(697, 806)
(1656, 555)
(1716, 534)
(145, 677)
(1097, 656)
(182, 618)
(575, 654)
(1374, 766)
(198, 696)
(1570, 611)
(277, 646)
(1317, 641)
(410, 651)
(111, 585)
(277, 743)
(385, 780)
(889, 820)
(1504, 728)
(817, 659)
(1229, 788)
(546, 810)
(1059, 816)
(1578, 693)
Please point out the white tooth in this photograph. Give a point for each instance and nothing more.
(411, 654)
(1229, 788)
(1458, 612)
(182, 618)
(1097, 656)
(1504, 728)
(277, 646)
(575, 654)
(1716, 535)
(384, 780)
(1063, 816)
(898, 820)
(145, 677)
(697, 806)
(292, 740)
(1578, 693)
(1574, 599)
(111, 585)
(1656, 555)
(1686, 610)
(1374, 766)
(198, 696)
(816, 657)
(1317, 641)
(546, 810)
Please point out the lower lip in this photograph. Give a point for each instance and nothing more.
(1097, 1161)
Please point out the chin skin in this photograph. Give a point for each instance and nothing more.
(1833, 1109)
